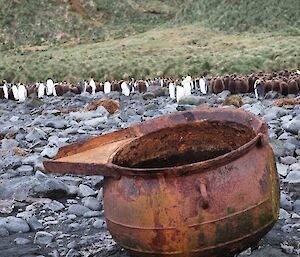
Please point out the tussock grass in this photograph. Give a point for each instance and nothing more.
(170, 52)
(112, 39)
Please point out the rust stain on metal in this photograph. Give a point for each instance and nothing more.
(197, 183)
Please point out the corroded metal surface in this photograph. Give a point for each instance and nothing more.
(198, 183)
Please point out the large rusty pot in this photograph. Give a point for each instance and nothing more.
(196, 183)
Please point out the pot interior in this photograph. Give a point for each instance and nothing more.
(183, 144)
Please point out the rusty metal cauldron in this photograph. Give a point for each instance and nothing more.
(195, 183)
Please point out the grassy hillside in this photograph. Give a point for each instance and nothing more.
(246, 15)
(26, 22)
(170, 52)
(72, 39)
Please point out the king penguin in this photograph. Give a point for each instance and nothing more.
(172, 90)
(15, 92)
(93, 86)
(107, 87)
(125, 89)
(49, 87)
(203, 86)
(41, 90)
(22, 93)
(258, 89)
(4, 90)
(179, 92)
(186, 83)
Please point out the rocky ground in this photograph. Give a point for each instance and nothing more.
(62, 215)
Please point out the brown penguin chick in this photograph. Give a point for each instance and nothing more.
(99, 87)
(268, 86)
(293, 87)
(251, 81)
(260, 74)
(116, 86)
(298, 82)
(226, 82)
(32, 91)
(238, 85)
(59, 89)
(284, 88)
(211, 84)
(75, 90)
(218, 86)
(269, 76)
(67, 88)
(242, 86)
(1, 90)
(89, 89)
(10, 94)
(281, 73)
(142, 86)
(232, 86)
(277, 86)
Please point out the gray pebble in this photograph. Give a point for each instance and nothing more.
(25, 170)
(72, 245)
(34, 224)
(8, 144)
(283, 214)
(288, 160)
(21, 241)
(56, 206)
(43, 238)
(14, 225)
(85, 190)
(91, 214)
(57, 124)
(285, 202)
(293, 126)
(100, 224)
(50, 152)
(282, 169)
(287, 228)
(3, 232)
(297, 206)
(73, 253)
(74, 226)
(92, 203)
(78, 209)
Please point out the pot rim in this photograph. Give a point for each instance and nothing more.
(66, 160)
(252, 121)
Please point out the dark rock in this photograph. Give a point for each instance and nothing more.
(148, 96)
(192, 100)
(157, 91)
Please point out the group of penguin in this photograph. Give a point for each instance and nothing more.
(20, 92)
(283, 82)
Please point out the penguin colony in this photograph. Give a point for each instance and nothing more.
(283, 82)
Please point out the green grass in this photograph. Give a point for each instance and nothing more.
(112, 38)
(168, 51)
